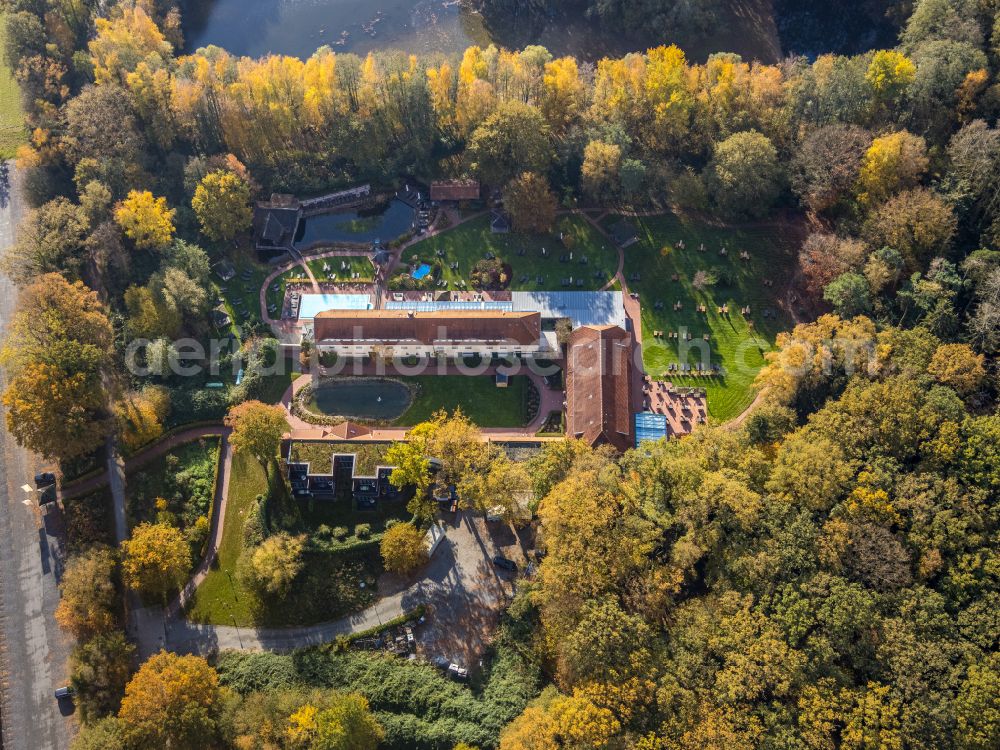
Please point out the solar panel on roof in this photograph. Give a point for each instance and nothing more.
(421, 306)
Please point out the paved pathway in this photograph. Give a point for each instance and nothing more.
(141, 458)
(285, 329)
(549, 400)
(33, 649)
(225, 471)
(459, 580)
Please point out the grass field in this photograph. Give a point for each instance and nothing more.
(216, 599)
(733, 344)
(242, 293)
(478, 397)
(342, 268)
(276, 297)
(470, 242)
(328, 586)
(12, 129)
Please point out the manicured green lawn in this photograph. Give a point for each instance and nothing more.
(216, 599)
(468, 243)
(12, 130)
(277, 384)
(328, 586)
(733, 344)
(478, 397)
(184, 477)
(242, 293)
(276, 297)
(342, 268)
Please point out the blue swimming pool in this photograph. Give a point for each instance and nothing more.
(311, 304)
(422, 271)
(356, 226)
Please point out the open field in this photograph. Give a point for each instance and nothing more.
(470, 242)
(737, 342)
(477, 396)
(242, 293)
(12, 130)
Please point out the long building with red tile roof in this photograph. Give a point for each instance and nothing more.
(599, 386)
(447, 332)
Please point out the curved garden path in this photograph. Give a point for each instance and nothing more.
(548, 401)
(281, 326)
(459, 583)
(143, 456)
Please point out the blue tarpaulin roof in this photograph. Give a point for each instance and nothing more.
(649, 426)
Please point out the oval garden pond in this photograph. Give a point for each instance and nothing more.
(362, 398)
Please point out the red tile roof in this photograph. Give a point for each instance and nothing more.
(598, 386)
(391, 326)
(348, 430)
(455, 190)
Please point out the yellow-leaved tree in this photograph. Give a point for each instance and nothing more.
(57, 344)
(257, 430)
(958, 366)
(222, 204)
(146, 219)
(172, 702)
(141, 414)
(403, 548)
(345, 723)
(890, 73)
(126, 39)
(892, 163)
(156, 560)
(556, 721)
(88, 599)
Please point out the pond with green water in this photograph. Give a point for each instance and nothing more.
(367, 398)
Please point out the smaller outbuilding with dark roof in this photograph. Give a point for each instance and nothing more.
(276, 221)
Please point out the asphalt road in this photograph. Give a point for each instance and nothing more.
(33, 651)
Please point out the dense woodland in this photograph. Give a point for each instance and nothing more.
(824, 575)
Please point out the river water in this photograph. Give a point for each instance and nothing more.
(750, 28)
(298, 27)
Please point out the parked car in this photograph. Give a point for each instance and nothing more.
(66, 691)
(458, 673)
(44, 479)
(47, 495)
(505, 563)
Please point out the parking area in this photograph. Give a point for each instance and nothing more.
(464, 591)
